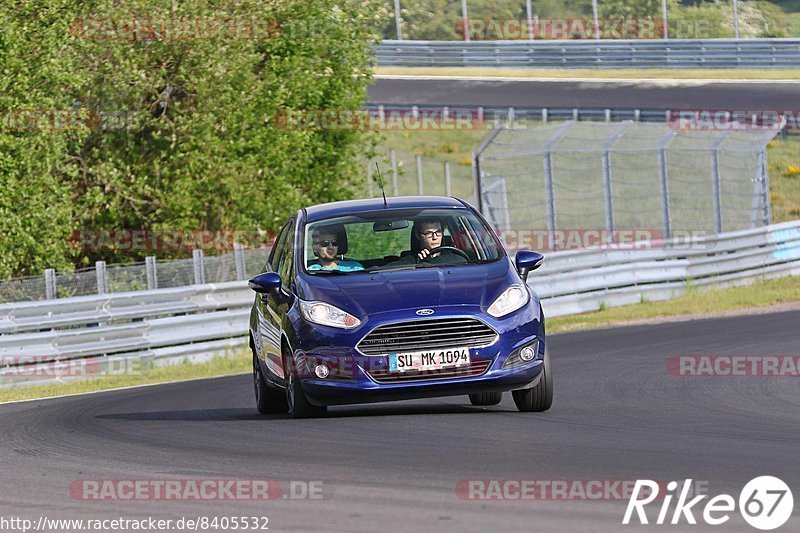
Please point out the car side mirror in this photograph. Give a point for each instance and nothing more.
(527, 260)
(266, 283)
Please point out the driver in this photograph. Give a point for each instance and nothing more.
(428, 235)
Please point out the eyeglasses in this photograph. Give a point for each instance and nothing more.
(325, 244)
(431, 234)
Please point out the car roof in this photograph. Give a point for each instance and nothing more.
(349, 207)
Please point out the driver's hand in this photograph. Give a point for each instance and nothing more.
(423, 254)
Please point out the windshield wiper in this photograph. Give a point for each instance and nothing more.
(334, 271)
(393, 269)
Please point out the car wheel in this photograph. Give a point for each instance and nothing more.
(268, 400)
(299, 406)
(486, 398)
(540, 397)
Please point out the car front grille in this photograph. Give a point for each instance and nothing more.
(474, 369)
(427, 334)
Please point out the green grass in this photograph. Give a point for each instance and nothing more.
(678, 74)
(220, 366)
(784, 181)
(694, 302)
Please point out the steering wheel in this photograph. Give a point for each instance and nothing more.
(438, 249)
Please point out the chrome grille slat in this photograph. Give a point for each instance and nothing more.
(425, 334)
(414, 325)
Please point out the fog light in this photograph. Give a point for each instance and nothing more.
(527, 354)
(321, 371)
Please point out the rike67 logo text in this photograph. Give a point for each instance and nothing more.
(765, 503)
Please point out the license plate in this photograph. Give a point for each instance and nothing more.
(428, 360)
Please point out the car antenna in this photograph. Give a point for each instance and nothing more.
(380, 182)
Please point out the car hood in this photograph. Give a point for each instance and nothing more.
(365, 294)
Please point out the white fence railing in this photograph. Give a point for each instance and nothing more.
(673, 53)
(89, 335)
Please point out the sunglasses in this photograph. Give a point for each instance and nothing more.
(325, 244)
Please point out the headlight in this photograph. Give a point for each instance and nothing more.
(512, 299)
(328, 315)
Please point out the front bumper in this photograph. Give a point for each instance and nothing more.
(356, 377)
(341, 392)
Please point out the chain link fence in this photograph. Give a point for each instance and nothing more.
(624, 176)
(150, 274)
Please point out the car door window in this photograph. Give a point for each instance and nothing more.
(278, 248)
(286, 259)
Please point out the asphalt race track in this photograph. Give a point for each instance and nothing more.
(617, 415)
(656, 94)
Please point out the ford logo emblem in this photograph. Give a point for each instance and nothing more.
(425, 312)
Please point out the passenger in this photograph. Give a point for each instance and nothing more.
(325, 244)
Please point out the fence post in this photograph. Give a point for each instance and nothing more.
(544, 115)
(50, 283)
(152, 275)
(608, 115)
(664, 180)
(419, 175)
(465, 19)
(238, 259)
(664, 18)
(102, 279)
(765, 188)
(735, 19)
(529, 15)
(607, 189)
(393, 158)
(447, 190)
(716, 181)
(398, 20)
(369, 180)
(199, 271)
(476, 167)
(511, 116)
(548, 180)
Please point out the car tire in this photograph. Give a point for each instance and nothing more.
(486, 398)
(540, 397)
(296, 399)
(268, 399)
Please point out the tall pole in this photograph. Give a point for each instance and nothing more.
(736, 19)
(596, 20)
(529, 12)
(397, 20)
(465, 19)
(664, 19)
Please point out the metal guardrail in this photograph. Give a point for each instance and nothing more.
(673, 53)
(43, 341)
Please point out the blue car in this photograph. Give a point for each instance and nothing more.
(414, 297)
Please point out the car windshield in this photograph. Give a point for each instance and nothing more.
(398, 240)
